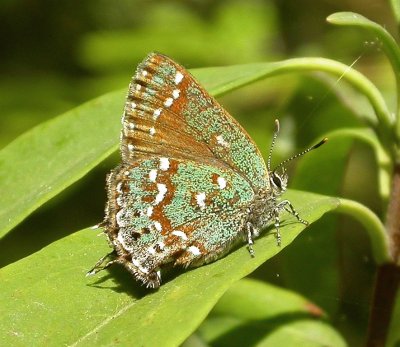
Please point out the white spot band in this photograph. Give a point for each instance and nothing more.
(162, 190)
(221, 182)
(168, 102)
(178, 78)
(164, 164)
(180, 234)
(158, 226)
(156, 113)
(175, 93)
(221, 141)
(201, 198)
(194, 250)
(153, 175)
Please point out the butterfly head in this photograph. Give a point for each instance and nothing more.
(278, 181)
(278, 177)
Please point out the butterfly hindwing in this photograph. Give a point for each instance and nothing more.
(175, 210)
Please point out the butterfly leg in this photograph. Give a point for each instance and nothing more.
(277, 224)
(250, 242)
(104, 263)
(287, 205)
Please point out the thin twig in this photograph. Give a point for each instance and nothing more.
(387, 279)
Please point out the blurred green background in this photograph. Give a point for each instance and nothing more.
(56, 55)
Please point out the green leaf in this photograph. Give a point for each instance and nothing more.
(389, 44)
(250, 299)
(50, 157)
(46, 298)
(257, 313)
(386, 41)
(44, 161)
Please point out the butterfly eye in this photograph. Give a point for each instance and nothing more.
(277, 181)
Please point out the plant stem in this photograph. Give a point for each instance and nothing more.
(387, 280)
(386, 285)
(393, 217)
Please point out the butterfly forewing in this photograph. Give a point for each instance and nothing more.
(151, 124)
(169, 114)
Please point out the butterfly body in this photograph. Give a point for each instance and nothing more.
(192, 183)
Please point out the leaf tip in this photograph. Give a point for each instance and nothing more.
(342, 18)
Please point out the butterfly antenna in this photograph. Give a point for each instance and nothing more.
(320, 143)
(273, 144)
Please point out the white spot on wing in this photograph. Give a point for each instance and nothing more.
(175, 93)
(126, 173)
(168, 102)
(138, 87)
(156, 113)
(133, 105)
(158, 226)
(144, 270)
(149, 211)
(180, 234)
(221, 141)
(118, 216)
(151, 250)
(194, 250)
(221, 182)
(131, 125)
(144, 73)
(120, 238)
(178, 78)
(164, 164)
(131, 147)
(152, 131)
(139, 266)
(153, 175)
(119, 187)
(201, 200)
(162, 190)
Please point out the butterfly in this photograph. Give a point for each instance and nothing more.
(192, 183)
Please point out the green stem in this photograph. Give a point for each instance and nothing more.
(342, 71)
(381, 35)
(384, 119)
(384, 123)
(383, 159)
(395, 4)
(373, 225)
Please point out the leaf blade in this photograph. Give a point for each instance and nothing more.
(39, 310)
(252, 312)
